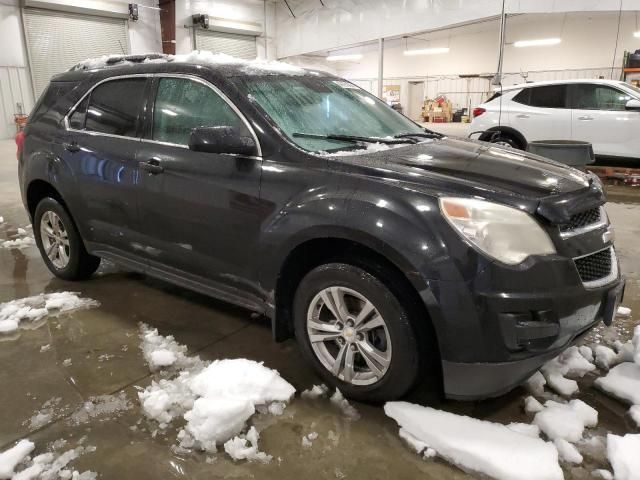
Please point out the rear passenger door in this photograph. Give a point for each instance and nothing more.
(103, 136)
(200, 211)
(600, 117)
(541, 113)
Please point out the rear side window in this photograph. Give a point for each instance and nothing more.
(182, 105)
(114, 107)
(45, 110)
(585, 96)
(549, 96)
(494, 96)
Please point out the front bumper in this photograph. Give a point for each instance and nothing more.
(567, 318)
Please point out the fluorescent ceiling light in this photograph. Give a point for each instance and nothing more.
(537, 43)
(342, 58)
(636, 34)
(427, 51)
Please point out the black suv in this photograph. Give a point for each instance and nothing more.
(393, 254)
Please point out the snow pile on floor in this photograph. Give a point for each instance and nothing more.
(307, 440)
(337, 399)
(535, 383)
(572, 362)
(476, 445)
(163, 351)
(216, 399)
(44, 466)
(623, 382)
(317, 391)
(37, 307)
(567, 451)
(623, 311)
(18, 242)
(49, 411)
(565, 420)
(624, 456)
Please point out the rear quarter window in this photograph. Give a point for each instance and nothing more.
(47, 110)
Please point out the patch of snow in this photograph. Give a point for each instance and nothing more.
(535, 384)
(216, 399)
(624, 456)
(343, 404)
(245, 447)
(606, 357)
(566, 420)
(634, 413)
(525, 429)
(45, 348)
(567, 451)
(531, 405)
(21, 231)
(623, 382)
(370, 148)
(163, 351)
(18, 243)
(569, 363)
(586, 352)
(37, 307)
(99, 406)
(307, 440)
(477, 445)
(316, 391)
(66, 362)
(10, 458)
(601, 473)
(623, 311)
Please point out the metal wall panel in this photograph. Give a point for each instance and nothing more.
(15, 87)
(241, 46)
(58, 40)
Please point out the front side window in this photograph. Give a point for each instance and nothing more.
(114, 107)
(319, 106)
(548, 96)
(183, 104)
(598, 97)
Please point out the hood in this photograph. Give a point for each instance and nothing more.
(472, 164)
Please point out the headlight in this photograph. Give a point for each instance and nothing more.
(504, 233)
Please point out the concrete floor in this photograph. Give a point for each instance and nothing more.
(126, 447)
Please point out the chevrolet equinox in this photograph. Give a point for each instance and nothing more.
(393, 254)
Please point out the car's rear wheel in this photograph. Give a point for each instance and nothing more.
(59, 242)
(506, 140)
(356, 333)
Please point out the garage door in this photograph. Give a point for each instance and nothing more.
(58, 40)
(241, 46)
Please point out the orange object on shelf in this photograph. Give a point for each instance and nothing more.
(20, 119)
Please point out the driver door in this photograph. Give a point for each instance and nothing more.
(199, 211)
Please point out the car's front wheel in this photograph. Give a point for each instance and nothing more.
(356, 332)
(59, 242)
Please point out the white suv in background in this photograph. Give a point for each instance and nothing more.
(605, 113)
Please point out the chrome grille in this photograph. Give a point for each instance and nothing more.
(582, 219)
(596, 266)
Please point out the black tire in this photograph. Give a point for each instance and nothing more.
(405, 360)
(81, 264)
(507, 139)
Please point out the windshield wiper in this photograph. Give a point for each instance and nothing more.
(426, 134)
(354, 138)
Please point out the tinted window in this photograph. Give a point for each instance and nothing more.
(114, 107)
(549, 96)
(183, 104)
(76, 120)
(523, 97)
(597, 97)
(49, 109)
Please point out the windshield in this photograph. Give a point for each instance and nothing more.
(320, 106)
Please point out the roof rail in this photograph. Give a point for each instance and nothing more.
(112, 60)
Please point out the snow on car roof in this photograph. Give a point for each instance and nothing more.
(200, 57)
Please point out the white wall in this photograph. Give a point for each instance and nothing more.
(15, 80)
(586, 51)
(343, 23)
(236, 13)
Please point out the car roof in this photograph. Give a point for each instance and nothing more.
(599, 81)
(194, 62)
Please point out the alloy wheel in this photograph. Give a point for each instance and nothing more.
(349, 336)
(55, 239)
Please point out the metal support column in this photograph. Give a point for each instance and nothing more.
(380, 65)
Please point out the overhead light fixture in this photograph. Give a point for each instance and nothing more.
(537, 43)
(636, 34)
(427, 51)
(344, 58)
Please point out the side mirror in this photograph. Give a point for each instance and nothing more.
(221, 140)
(633, 104)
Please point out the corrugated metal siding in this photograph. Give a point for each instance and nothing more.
(15, 87)
(241, 46)
(58, 40)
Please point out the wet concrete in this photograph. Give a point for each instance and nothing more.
(126, 445)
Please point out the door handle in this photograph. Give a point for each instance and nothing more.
(522, 115)
(72, 147)
(585, 117)
(152, 166)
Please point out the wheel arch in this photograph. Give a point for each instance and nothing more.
(39, 189)
(486, 136)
